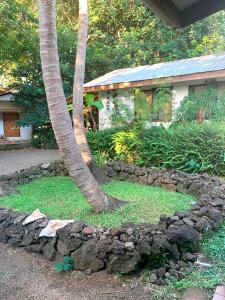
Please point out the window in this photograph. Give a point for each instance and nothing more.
(142, 105)
(153, 105)
(198, 89)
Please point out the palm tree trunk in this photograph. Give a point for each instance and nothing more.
(78, 90)
(59, 114)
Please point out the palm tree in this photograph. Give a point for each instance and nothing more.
(59, 114)
(78, 90)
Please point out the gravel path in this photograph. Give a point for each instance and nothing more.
(11, 161)
(25, 276)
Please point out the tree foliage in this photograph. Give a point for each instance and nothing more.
(122, 34)
(207, 100)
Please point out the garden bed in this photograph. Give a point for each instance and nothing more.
(169, 245)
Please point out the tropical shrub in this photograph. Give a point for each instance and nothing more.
(101, 142)
(43, 137)
(207, 100)
(190, 147)
(126, 144)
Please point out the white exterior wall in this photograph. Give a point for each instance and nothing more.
(26, 133)
(179, 93)
(6, 97)
(107, 100)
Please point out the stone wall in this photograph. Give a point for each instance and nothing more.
(169, 245)
(209, 192)
(9, 182)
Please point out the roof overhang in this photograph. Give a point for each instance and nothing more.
(151, 82)
(181, 13)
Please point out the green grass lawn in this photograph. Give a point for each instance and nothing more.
(59, 198)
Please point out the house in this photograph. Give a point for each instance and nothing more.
(181, 13)
(182, 75)
(10, 113)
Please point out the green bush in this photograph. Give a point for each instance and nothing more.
(189, 147)
(43, 137)
(125, 144)
(208, 100)
(100, 142)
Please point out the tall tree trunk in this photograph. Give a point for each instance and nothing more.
(59, 114)
(78, 89)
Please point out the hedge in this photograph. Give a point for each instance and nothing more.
(191, 147)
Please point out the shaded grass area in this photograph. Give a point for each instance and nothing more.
(213, 248)
(59, 198)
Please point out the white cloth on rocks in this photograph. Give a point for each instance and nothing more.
(36, 215)
(53, 226)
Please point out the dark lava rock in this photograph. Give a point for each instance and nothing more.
(103, 248)
(218, 192)
(118, 247)
(124, 264)
(185, 236)
(76, 228)
(49, 249)
(85, 257)
(88, 230)
(144, 245)
(203, 225)
(218, 202)
(189, 257)
(65, 247)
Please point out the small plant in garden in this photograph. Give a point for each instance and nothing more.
(100, 157)
(126, 144)
(91, 104)
(65, 265)
(207, 101)
(191, 166)
(163, 101)
(141, 106)
(122, 115)
(189, 147)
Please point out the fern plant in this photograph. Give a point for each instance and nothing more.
(65, 265)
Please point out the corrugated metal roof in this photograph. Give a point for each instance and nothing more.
(188, 66)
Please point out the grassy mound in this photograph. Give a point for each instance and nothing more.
(59, 198)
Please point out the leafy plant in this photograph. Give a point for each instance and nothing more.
(189, 147)
(89, 107)
(207, 100)
(66, 265)
(141, 106)
(162, 102)
(100, 142)
(126, 144)
(100, 157)
(90, 99)
(44, 137)
(122, 115)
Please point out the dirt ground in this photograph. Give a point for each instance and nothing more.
(11, 161)
(26, 276)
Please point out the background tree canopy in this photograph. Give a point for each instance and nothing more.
(122, 34)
